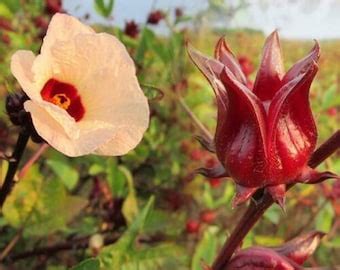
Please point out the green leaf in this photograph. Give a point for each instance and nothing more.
(65, 172)
(147, 36)
(265, 240)
(324, 219)
(330, 97)
(5, 11)
(89, 264)
(115, 178)
(152, 93)
(42, 207)
(22, 199)
(273, 214)
(104, 9)
(205, 250)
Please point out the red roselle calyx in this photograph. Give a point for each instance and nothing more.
(264, 135)
(289, 256)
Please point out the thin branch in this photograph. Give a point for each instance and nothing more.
(9, 182)
(11, 244)
(43, 147)
(196, 121)
(72, 244)
(258, 206)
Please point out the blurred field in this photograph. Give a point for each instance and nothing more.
(62, 200)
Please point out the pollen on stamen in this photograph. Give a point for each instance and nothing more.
(65, 96)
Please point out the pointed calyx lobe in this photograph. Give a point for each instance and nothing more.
(265, 136)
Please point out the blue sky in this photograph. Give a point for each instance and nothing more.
(298, 19)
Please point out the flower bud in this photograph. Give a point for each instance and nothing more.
(19, 117)
(15, 108)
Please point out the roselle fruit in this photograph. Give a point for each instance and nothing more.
(289, 256)
(265, 135)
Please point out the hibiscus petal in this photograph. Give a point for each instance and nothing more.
(271, 71)
(107, 84)
(21, 67)
(63, 27)
(226, 57)
(291, 129)
(51, 127)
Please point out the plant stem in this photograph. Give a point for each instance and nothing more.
(258, 206)
(13, 166)
(43, 147)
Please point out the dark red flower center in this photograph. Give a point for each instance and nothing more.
(65, 96)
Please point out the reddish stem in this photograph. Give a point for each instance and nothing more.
(258, 207)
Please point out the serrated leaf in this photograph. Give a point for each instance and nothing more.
(65, 172)
(89, 264)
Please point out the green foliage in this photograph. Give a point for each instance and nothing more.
(104, 7)
(68, 175)
(89, 264)
(62, 199)
(39, 207)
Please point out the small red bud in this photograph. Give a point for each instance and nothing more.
(53, 6)
(332, 111)
(196, 155)
(178, 12)
(208, 216)
(131, 29)
(5, 24)
(155, 17)
(192, 226)
(215, 182)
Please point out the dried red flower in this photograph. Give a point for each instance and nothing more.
(178, 12)
(192, 226)
(53, 6)
(155, 17)
(131, 29)
(265, 135)
(5, 24)
(208, 216)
